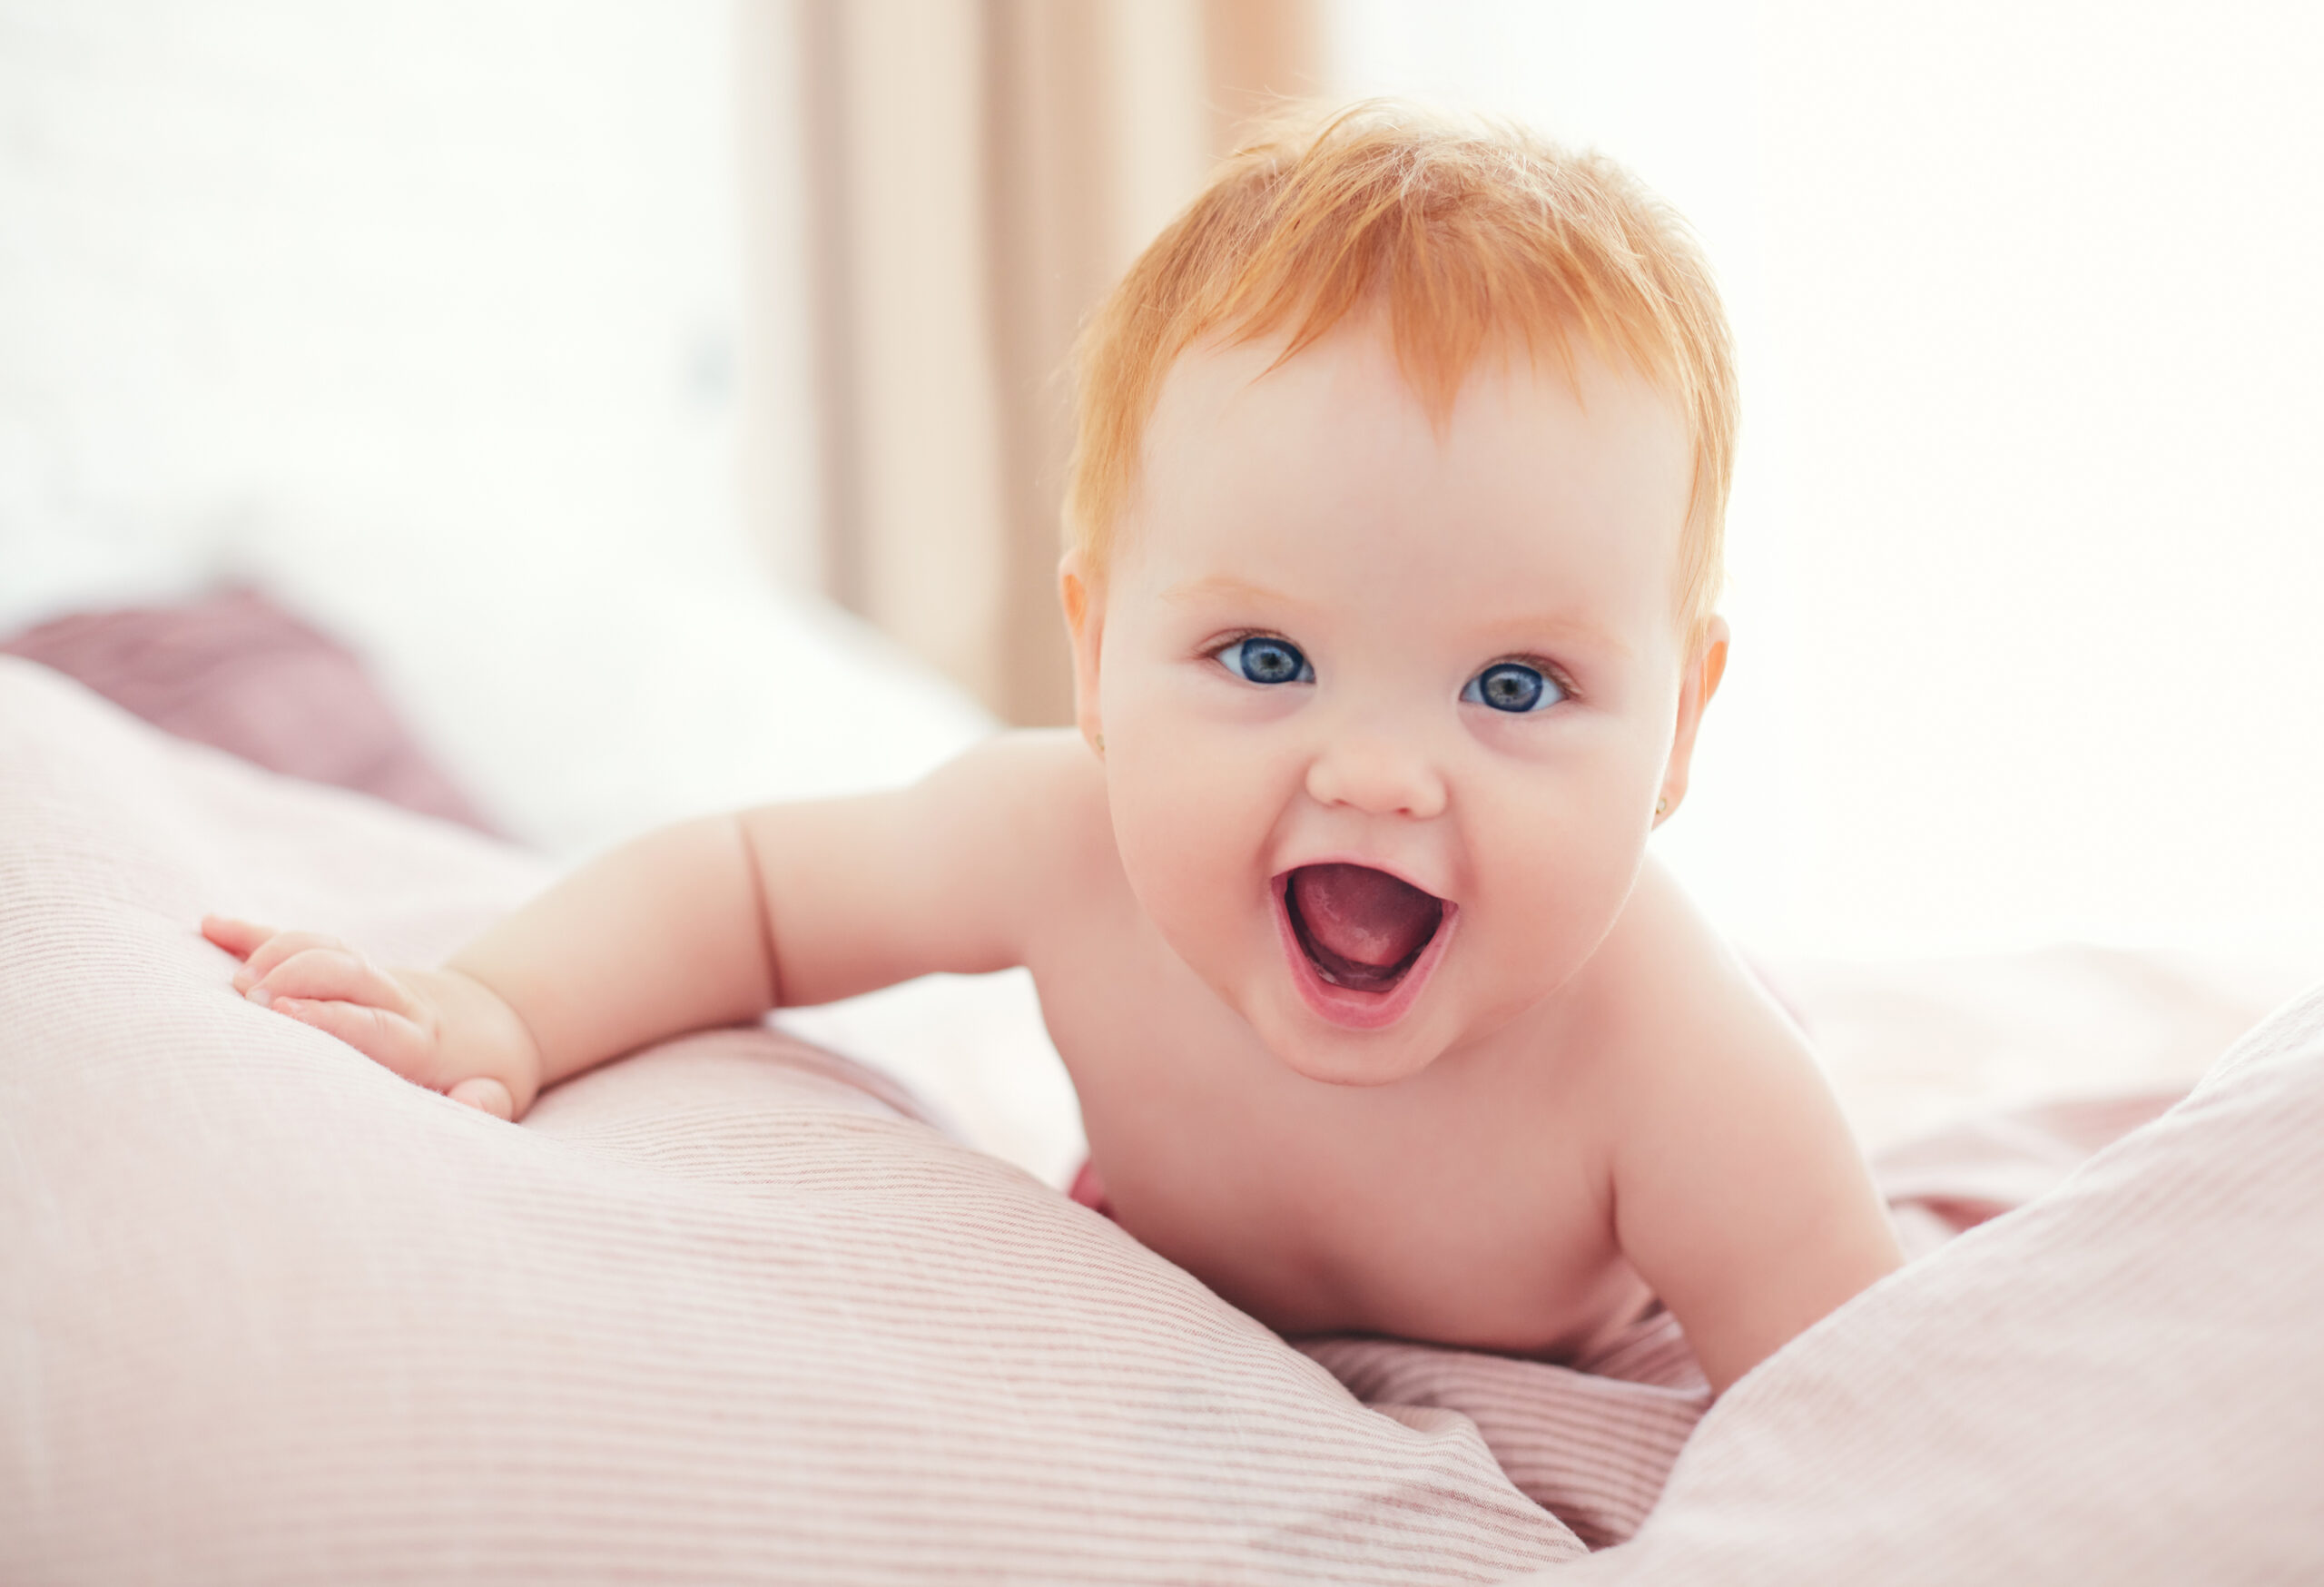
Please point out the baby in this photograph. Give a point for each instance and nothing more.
(1394, 535)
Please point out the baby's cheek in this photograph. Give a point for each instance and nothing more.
(1167, 820)
(1189, 845)
(1557, 876)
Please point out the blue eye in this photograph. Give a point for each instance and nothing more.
(1508, 686)
(1268, 661)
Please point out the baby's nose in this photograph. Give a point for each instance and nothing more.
(1377, 774)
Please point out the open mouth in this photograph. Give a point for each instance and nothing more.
(1365, 940)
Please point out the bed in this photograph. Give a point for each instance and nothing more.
(803, 1302)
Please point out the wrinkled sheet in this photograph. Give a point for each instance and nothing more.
(2117, 1383)
(726, 1310)
(730, 1310)
(1594, 1441)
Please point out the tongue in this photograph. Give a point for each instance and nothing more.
(1365, 918)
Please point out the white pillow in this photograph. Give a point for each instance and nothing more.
(585, 700)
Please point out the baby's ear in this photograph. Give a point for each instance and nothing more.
(1085, 617)
(1706, 665)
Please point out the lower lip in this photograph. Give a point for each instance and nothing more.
(1347, 1006)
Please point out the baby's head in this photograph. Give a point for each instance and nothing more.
(1469, 241)
(1394, 528)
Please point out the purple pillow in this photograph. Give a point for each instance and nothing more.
(237, 672)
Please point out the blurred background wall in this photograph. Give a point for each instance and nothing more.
(979, 173)
(775, 292)
(2026, 561)
(463, 274)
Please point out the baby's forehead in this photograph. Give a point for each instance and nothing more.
(1240, 409)
(1233, 378)
(1290, 473)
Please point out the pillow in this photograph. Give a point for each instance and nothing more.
(2118, 1382)
(585, 698)
(723, 1310)
(234, 670)
(826, 709)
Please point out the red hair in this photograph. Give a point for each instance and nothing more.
(1464, 234)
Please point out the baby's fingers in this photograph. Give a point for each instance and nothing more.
(239, 938)
(335, 974)
(486, 1095)
(260, 947)
(280, 946)
(386, 1038)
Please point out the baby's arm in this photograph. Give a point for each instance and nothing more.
(710, 923)
(1741, 1199)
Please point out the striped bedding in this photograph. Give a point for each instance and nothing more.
(734, 1310)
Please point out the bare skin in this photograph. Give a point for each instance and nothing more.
(1572, 1099)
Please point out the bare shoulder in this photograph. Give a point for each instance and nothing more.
(1033, 791)
(964, 871)
(1692, 1018)
(1740, 1194)
(1024, 818)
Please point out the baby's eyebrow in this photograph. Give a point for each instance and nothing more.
(1569, 630)
(1545, 626)
(1224, 587)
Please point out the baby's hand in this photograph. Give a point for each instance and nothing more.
(438, 1028)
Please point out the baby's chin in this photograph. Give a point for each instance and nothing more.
(1315, 1050)
(1251, 970)
(1338, 1063)
(1448, 1023)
